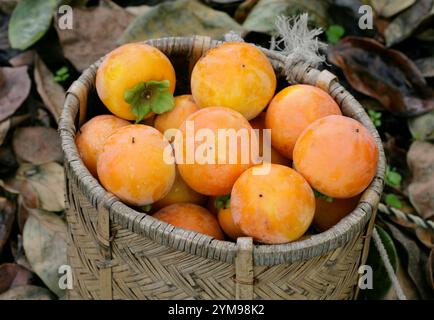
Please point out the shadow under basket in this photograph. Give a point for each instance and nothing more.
(117, 252)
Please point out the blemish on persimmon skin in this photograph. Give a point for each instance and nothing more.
(133, 140)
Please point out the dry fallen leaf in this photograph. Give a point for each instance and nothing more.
(422, 127)
(7, 217)
(22, 213)
(420, 160)
(384, 74)
(44, 240)
(425, 236)
(426, 66)
(27, 292)
(41, 186)
(94, 33)
(14, 89)
(50, 91)
(10, 123)
(409, 21)
(23, 59)
(389, 8)
(13, 275)
(416, 260)
(5, 125)
(17, 250)
(37, 145)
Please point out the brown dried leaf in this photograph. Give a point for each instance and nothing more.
(13, 275)
(409, 21)
(422, 127)
(42, 186)
(44, 240)
(27, 292)
(23, 59)
(18, 253)
(50, 91)
(22, 213)
(86, 42)
(14, 89)
(10, 123)
(37, 145)
(5, 125)
(426, 66)
(426, 237)
(384, 74)
(416, 260)
(420, 160)
(7, 217)
(388, 8)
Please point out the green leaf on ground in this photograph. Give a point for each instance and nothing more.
(393, 201)
(263, 16)
(393, 178)
(334, 33)
(29, 22)
(180, 18)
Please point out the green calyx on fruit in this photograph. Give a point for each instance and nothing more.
(222, 202)
(147, 208)
(322, 196)
(151, 96)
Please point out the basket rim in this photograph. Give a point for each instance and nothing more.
(190, 241)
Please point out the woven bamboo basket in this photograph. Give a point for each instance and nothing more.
(117, 252)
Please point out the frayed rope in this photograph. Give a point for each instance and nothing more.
(299, 44)
(389, 269)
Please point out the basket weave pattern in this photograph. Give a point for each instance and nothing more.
(119, 253)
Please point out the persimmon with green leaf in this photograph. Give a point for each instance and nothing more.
(136, 81)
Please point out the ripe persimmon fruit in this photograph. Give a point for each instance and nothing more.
(135, 80)
(173, 119)
(191, 217)
(277, 207)
(92, 135)
(276, 157)
(180, 193)
(329, 212)
(227, 223)
(337, 156)
(292, 110)
(132, 165)
(235, 75)
(217, 178)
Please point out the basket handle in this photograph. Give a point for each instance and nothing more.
(244, 269)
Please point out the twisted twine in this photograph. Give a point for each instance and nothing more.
(418, 221)
(389, 269)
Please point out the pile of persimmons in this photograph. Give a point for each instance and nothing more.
(312, 173)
